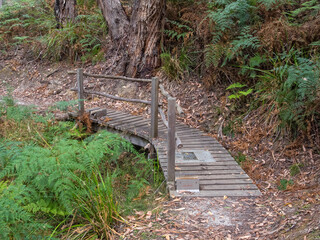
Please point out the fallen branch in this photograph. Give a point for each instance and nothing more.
(53, 72)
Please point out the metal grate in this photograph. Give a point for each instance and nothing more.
(188, 156)
(194, 156)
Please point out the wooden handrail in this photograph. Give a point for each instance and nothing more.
(113, 77)
(114, 97)
(166, 94)
(173, 139)
(165, 122)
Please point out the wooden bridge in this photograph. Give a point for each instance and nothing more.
(194, 164)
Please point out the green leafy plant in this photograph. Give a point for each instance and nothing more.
(240, 158)
(238, 94)
(299, 97)
(231, 20)
(312, 8)
(33, 22)
(171, 66)
(295, 169)
(284, 183)
(66, 182)
(185, 31)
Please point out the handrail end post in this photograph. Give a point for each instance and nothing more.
(80, 90)
(171, 138)
(154, 107)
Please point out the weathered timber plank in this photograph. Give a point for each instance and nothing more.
(200, 164)
(121, 117)
(129, 125)
(217, 193)
(199, 141)
(219, 178)
(119, 122)
(195, 168)
(209, 172)
(223, 177)
(134, 128)
(229, 187)
(225, 181)
(115, 113)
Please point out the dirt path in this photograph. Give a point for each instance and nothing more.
(275, 215)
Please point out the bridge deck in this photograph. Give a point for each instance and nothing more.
(202, 157)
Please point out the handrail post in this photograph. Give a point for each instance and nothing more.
(171, 139)
(80, 90)
(154, 107)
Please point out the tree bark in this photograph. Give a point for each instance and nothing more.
(65, 11)
(136, 38)
(1, 3)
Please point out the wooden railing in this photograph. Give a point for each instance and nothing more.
(172, 138)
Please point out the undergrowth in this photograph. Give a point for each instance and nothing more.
(54, 185)
(32, 23)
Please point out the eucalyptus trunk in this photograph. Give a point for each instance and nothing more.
(136, 36)
(65, 11)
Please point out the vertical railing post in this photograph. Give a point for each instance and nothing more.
(80, 90)
(154, 107)
(171, 139)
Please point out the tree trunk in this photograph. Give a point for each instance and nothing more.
(136, 38)
(65, 11)
(1, 3)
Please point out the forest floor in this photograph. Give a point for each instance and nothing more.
(290, 213)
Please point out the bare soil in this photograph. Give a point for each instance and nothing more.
(293, 213)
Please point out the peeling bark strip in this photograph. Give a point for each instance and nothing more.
(136, 37)
(64, 11)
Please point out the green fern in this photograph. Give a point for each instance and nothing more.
(312, 6)
(270, 4)
(222, 53)
(231, 20)
(299, 98)
(15, 221)
(184, 31)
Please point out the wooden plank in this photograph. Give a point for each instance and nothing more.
(209, 172)
(199, 164)
(118, 115)
(195, 168)
(123, 120)
(218, 193)
(136, 128)
(224, 177)
(130, 122)
(229, 187)
(225, 181)
(129, 125)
